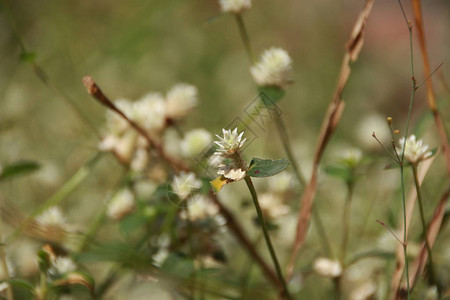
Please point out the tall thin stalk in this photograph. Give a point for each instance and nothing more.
(273, 255)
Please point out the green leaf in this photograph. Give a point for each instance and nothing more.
(266, 167)
(179, 265)
(270, 95)
(131, 223)
(18, 168)
(20, 283)
(340, 172)
(27, 56)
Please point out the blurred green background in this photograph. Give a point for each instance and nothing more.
(134, 47)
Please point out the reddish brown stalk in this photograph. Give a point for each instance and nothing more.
(418, 19)
(232, 224)
(329, 125)
(96, 92)
(410, 202)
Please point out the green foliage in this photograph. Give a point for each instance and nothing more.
(18, 168)
(266, 167)
(271, 95)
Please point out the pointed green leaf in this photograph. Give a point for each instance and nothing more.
(266, 167)
(18, 168)
(340, 172)
(20, 283)
(218, 183)
(76, 278)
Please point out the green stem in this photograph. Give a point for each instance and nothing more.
(245, 38)
(273, 255)
(424, 227)
(322, 233)
(405, 232)
(346, 223)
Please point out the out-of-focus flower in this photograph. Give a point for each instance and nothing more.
(62, 265)
(367, 126)
(364, 291)
(172, 143)
(115, 124)
(230, 142)
(121, 204)
(352, 157)
(180, 100)
(281, 183)
(11, 273)
(140, 160)
(272, 206)
(235, 6)
(195, 141)
(273, 69)
(150, 111)
(52, 217)
(415, 150)
(327, 267)
(185, 184)
(200, 210)
(206, 261)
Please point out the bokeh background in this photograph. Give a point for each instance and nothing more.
(134, 47)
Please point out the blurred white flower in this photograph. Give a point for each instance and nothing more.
(415, 150)
(273, 69)
(125, 145)
(206, 261)
(200, 210)
(184, 184)
(352, 157)
(180, 100)
(281, 183)
(364, 292)
(160, 257)
(230, 142)
(195, 141)
(53, 216)
(121, 204)
(150, 111)
(115, 124)
(235, 6)
(140, 160)
(62, 265)
(327, 267)
(172, 142)
(272, 206)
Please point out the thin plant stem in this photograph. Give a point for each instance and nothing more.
(346, 223)
(322, 233)
(424, 228)
(273, 255)
(245, 38)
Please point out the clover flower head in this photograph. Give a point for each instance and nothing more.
(180, 100)
(150, 111)
(184, 184)
(195, 141)
(327, 267)
(235, 6)
(52, 217)
(351, 157)
(121, 204)
(415, 150)
(234, 174)
(200, 210)
(273, 69)
(230, 143)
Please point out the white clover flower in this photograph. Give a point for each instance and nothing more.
(272, 206)
(52, 217)
(140, 160)
(230, 173)
(327, 267)
(121, 204)
(230, 142)
(62, 265)
(172, 142)
(195, 141)
(150, 111)
(125, 145)
(184, 184)
(200, 210)
(180, 100)
(235, 6)
(415, 151)
(273, 69)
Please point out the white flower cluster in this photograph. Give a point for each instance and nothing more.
(154, 113)
(185, 185)
(200, 210)
(61, 265)
(273, 69)
(327, 267)
(415, 150)
(54, 217)
(227, 157)
(121, 205)
(235, 6)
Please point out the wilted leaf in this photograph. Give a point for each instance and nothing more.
(18, 168)
(266, 167)
(76, 278)
(218, 183)
(271, 95)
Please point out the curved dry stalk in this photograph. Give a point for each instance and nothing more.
(418, 19)
(329, 125)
